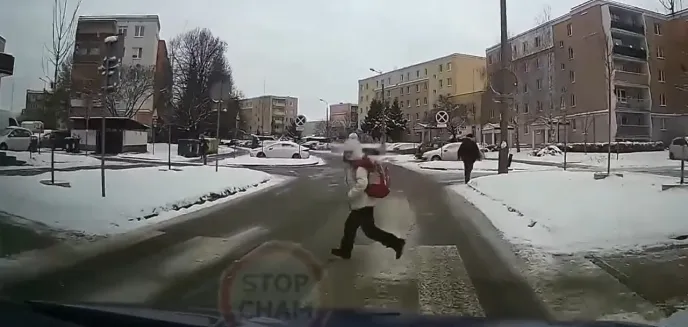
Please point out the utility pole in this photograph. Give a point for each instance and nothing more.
(504, 108)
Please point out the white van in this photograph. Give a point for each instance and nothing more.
(35, 126)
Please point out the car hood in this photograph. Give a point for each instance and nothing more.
(90, 315)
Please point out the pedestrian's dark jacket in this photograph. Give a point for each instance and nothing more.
(204, 145)
(468, 150)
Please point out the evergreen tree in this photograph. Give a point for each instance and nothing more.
(396, 123)
(372, 124)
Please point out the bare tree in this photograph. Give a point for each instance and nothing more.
(136, 87)
(672, 6)
(198, 61)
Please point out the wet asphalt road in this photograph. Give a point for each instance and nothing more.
(449, 267)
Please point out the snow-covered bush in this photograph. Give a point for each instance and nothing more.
(549, 150)
(621, 147)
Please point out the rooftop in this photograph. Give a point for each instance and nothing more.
(456, 54)
(153, 18)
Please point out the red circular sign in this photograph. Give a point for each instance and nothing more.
(278, 280)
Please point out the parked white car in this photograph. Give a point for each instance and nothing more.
(448, 152)
(282, 149)
(15, 139)
(677, 148)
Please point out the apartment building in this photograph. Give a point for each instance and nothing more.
(6, 61)
(268, 114)
(600, 51)
(34, 100)
(141, 46)
(418, 86)
(344, 115)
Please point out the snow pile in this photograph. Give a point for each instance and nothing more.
(159, 152)
(484, 165)
(42, 160)
(549, 150)
(564, 211)
(134, 197)
(247, 160)
(653, 159)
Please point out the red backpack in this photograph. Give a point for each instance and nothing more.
(378, 177)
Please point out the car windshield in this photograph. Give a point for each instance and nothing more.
(205, 155)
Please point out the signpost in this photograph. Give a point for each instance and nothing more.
(442, 118)
(278, 280)
(300, 122)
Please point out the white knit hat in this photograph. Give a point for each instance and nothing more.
(353, 149)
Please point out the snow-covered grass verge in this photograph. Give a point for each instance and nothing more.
(159, 152)
(134, 197)
(654, 159)
(569, 212)
(42, 160)
(247, 160)
(484, 165)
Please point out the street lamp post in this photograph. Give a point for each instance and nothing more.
(384, 109)
(327, 118)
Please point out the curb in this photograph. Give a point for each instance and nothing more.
(36, 264)
(271, 166)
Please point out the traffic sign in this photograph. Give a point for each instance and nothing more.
(442, 118)
(300, 122)
(278, 280)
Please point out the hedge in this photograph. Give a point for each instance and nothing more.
(620, 147)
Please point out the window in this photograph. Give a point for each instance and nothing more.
(537, 62)
(434, 92)
(388, 93)
(660, 52)
(561, 44)
(417, 73)
(449, 66)
(515, 50)
(516, 108)
(366, 86)
(417, 102)
(572, 76)
(138, 53)
(138, 31)
(525, 67)
(417, 116)
(440, 83)
(570, 53)
(408, 76)
(658, 29)
(525, 88)
(525, 47)
(361, 87)
(417, 88)
(426, 72)
(538, 106)
(377, 83)
(449, 81)
(122, 30)
(573, 124)
(408, 103)
(489, 62)
(401, 77)
(434, 76)
(401, 91)
(662, 99)
(526, 130)
(538, 84)
(526, 108)
(425, 100)
(662, 123)
(389, 80)
(538, 42)
(408, 90)
(569, 29)
(440, 67)
(573, 100)
(425, 86)
(563, 66)
(660, 75)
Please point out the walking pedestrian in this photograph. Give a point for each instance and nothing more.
(204, 149)
(365, 179)
(469, 153)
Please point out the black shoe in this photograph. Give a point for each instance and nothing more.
(341, 253)
(399, 247)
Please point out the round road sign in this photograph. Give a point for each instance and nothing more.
(442, 117)
(277, 280)
(300, 120)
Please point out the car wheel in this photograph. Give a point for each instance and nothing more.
(3, 147)
(435, 158)
(296, 156)
(671, 156)
(260, 155)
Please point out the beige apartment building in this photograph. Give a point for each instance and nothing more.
(268, 114)
(572, 65)
(418, 86)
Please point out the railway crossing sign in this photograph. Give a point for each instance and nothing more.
(300, 121)
(442, 118)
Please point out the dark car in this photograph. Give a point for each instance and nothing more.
(56, 137)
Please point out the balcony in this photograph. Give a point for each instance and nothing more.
(279, 103)
(635, 132)
(631, 77)
(627, 26)
(278, 113)
(626, 104)
(630, 51)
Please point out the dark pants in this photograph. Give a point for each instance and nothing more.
(205, 157)
(364, 218)
(467, 169)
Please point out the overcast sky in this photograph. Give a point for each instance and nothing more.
(309, 49)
